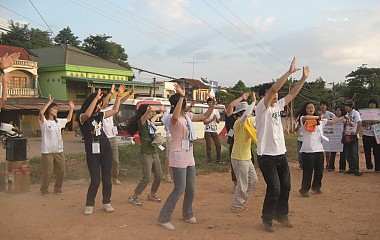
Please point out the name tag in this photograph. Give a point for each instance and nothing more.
(95, 148)
(185, 144)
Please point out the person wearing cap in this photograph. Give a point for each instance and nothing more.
(323, 105)
(350, 138)
(246, 177)
(271, 148)
(369, 141)
(230, 121)
(212, 133)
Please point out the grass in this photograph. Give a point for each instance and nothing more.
(129, 155)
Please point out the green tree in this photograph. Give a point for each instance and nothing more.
(66, 36)
(18, 35)
(362, 85)
(224, 97)
(21, 36)
(100, 46)
(40, 39)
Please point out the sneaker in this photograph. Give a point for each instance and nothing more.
(89, 210)
(108, 208)
(167, 226)
(304, 194)
(349, 172)
(153, 198)
(45, 193)
(341, 171)
(58, 192)
(358, 173)
(285, 222)
(269, 227)
(239, 209)
(134, 201)
(192, 220)
(168, 178)
(116, 182)
(318, 191)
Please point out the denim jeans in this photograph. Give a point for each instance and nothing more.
(369, 142)
(184, 182)
(150, 163)
(312, 162)
(351, 151)
(215, 138)
(275, 170)
(246, 181)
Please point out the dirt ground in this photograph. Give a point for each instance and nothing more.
(348, 208)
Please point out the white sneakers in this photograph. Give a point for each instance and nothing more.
(167, 226)
(106, 207)
(191, 220)
(89, 210)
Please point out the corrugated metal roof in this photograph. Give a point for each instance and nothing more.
(35, 104)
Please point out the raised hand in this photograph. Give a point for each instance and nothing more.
(254, 96)
(50, 98)
(305, 72)
(121, 90)
(8, 60)
(293, 67)
(71, 104)
(112, 90)
(99, 94)
(179, 90)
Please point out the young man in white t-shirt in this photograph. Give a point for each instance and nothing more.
(211, 132)
(351, 130)
(110, 129)
(52, 158)
(271, 148)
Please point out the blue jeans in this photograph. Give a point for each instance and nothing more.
(275, 170)
(184, 182)
(351, 151)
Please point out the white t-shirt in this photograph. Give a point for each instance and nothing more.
(51, 135)
(108, 126)
(212, 126)
(352, 122)
(269, 129)
(312, 141)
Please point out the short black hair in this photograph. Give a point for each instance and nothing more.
(264, 88)
(374, 101)
(209, 100)
(324, 102)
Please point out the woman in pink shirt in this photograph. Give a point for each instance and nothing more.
(181, 159)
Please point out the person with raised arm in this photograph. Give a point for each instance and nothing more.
(98, 147)
(271, 148)
(149, 158)
(241, 157)
(110, 129)
(52, 157)
(181, 159)
(230, 121)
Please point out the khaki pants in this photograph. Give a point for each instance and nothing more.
(115, 158)
(52, 162)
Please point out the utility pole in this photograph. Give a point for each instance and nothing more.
(193, 62)
(154, 87)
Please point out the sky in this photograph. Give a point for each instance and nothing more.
(221, 40)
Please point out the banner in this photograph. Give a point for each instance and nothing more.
(376, 130)
(370, 114)
(334, 134)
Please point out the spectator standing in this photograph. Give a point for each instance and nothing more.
(211, 133)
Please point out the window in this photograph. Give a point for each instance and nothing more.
(18, 82)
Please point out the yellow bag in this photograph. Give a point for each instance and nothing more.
(251, 130)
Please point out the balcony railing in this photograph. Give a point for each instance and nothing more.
(25, 64)
(22, 92)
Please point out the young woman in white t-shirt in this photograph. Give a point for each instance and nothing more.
(52, 158)
(312, 150)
